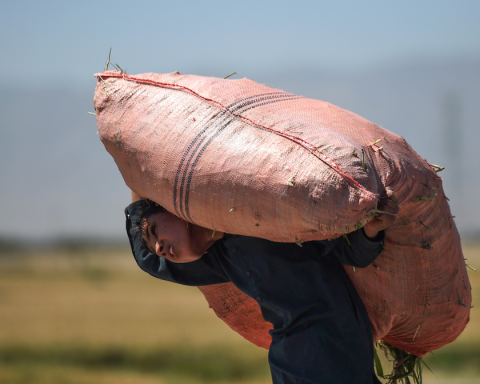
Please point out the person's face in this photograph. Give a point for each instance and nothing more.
(173, 238)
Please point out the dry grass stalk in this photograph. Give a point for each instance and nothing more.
(231, 74)
(469, 266)
(108, 61)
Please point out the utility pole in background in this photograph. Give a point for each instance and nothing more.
(452, 142)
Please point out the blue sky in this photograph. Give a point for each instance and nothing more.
(345, 52)
(58, 41)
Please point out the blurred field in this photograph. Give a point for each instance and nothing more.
(92, 316)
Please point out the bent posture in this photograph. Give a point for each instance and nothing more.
(321, 331)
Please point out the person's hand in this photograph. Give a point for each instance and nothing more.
(387, 214)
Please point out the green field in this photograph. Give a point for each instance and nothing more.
(92, 316)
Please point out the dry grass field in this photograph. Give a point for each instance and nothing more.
(92, 316)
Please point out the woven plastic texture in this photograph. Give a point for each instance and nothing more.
(243, 158)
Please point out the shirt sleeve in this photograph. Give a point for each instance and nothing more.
(353, 249)
(203, 271)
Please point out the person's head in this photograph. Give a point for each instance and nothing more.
(163, 234)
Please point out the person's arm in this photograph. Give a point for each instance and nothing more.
(354, 249)
(204, 271)
(387, 214)
(361, 248)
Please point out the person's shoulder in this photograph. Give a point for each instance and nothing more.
(230, 241)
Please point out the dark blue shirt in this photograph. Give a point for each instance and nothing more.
(321, 328)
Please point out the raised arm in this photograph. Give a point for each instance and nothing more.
(387, 214)
(361, 248)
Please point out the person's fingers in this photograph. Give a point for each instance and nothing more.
(391, 194)
(381, 223)
(387, 202)
(387, 215)
(388, 192)
(385, 209)
(388, 205)
(384, 219)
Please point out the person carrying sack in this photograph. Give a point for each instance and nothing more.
(321, 332)
(264, 178)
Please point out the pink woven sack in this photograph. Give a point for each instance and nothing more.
(243, 158)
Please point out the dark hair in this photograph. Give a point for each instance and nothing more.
(150, 208)
(145, 258)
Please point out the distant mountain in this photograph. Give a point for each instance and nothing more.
(57, 180)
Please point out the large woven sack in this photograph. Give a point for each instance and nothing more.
(243, 158)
